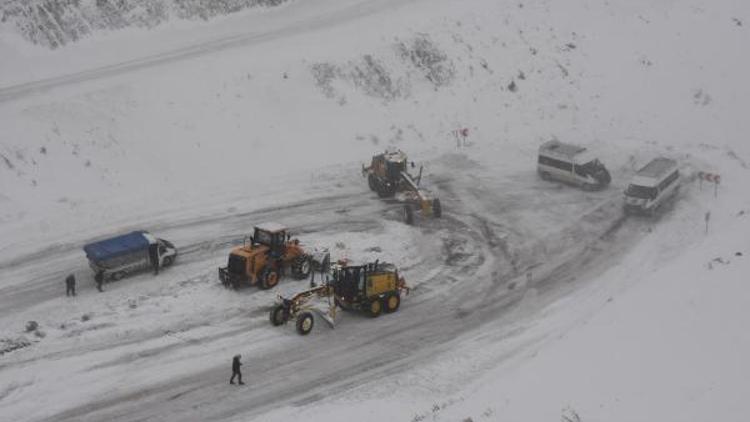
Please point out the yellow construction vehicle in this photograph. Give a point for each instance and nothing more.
(388, 175)
(263, 258)
(372, 288)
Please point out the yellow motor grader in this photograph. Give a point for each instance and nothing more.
(264, 257)
(388, 175)
(372, 288)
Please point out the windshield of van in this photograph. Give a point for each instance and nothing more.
(640, 192)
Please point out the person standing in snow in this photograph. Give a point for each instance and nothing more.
(70, 285)
(153, 254)
(99, 278)
(236, 370)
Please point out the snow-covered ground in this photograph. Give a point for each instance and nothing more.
(197, 131)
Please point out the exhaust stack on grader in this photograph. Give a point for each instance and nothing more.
(372, 288)
(388, 174)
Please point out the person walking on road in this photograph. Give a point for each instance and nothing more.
(70, 285)
(236, 370)
(99, 278)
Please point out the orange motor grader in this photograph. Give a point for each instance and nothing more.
(265, 257)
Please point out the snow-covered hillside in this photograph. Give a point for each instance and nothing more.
(532, 300)
(55, 23)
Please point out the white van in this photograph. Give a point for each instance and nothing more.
(652, 186)
(571, 164)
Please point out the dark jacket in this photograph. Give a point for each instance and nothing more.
(70, 280)
(236, 364)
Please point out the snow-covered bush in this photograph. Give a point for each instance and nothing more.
(423, 54)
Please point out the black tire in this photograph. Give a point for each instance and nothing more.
(408, 215)
(269, 278)
(437, 209)
(341, 305)
(372, 181)
(278, 316)
(375, 308)
(392, 303)
(167, 262)
(386, 189)
(117, 276)
(305, 323)
(301, 267)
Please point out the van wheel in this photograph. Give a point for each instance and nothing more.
(117, 276)
(375, 308)
(372, 182)
(392, 303)
(305, 323)
(269, 278)
(167, 262)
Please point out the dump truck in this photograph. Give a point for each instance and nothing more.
(265, 257)
(373, 288)
(128, 254)
(388, 176)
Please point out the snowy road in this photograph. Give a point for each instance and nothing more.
(466, 270)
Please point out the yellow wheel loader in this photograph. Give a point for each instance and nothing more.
(265, 257)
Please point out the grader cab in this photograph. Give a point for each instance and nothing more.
(372, 288)
(388, 176)
(265, 257)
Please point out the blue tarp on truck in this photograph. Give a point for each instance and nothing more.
(116, 246)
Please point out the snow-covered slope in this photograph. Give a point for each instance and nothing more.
(198, 131)
(54, 24)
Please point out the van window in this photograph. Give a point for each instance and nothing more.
(669, 180)
(641, 192)
(562, 165)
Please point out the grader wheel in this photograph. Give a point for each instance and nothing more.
(278, 315)
(386, 189)
(305, 323)
(408, 215)
(392, 303)
(437, 210)
(375, 308)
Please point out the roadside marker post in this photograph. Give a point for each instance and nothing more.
(708, 217)
(710, 177)
(461, 135)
